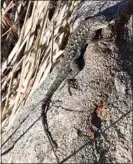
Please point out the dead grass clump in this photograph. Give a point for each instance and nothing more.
(33, 37)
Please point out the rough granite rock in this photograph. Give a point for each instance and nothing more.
(103, 104)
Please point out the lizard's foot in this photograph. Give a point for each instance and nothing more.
(72, 83)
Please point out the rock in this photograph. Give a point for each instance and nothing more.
(92, 125)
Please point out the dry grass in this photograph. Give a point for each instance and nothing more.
(31, 43)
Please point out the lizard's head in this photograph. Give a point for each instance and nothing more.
(98, 23)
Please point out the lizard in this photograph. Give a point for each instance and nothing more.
(68, 68)
(92, 26)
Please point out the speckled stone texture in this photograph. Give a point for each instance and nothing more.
(107, 78)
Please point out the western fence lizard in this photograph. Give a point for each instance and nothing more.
(84, 33)
(88, 24)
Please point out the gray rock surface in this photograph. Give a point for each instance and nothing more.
(106, 77)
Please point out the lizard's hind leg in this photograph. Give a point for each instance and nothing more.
(72, 83)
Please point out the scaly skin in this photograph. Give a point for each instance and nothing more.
(83, 34)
